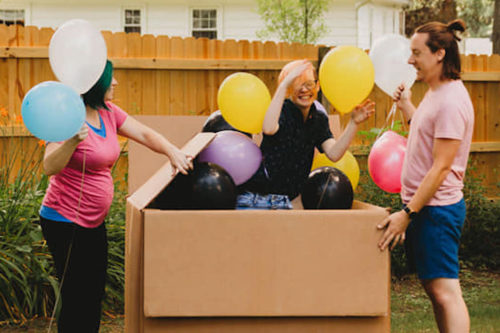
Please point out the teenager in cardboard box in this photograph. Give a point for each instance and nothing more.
(293, 127)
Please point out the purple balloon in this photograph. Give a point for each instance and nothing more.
(235, 152)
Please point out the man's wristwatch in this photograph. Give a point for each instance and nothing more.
(411, 214)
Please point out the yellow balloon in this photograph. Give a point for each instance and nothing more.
(243, 100)
(346, 77)
(347, 164)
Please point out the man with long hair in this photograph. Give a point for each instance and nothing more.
(433, 171)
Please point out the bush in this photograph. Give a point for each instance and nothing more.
(28, 283)
(115, 225)
(480, 243)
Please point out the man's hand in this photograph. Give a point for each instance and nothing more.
(395, 225)
(402, 97)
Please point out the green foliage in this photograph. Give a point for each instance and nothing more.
(299, 21)
(115, 225)
(480, 243)
(478, 15)
(411, 310)
(423, 11)
(369, 192)
(28, 283)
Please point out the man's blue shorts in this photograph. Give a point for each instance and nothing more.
(432, 241)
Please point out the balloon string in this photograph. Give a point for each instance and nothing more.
(392, 114)
(320, 201)
(66, 264)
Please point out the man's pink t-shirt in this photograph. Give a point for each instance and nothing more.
(65, 188)
(446, 113)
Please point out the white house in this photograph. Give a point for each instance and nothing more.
(350, 22)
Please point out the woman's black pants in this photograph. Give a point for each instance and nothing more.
(84, 277)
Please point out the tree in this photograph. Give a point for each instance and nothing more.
(423, 11)
(298, 21)
(495, 36)
(477, 14)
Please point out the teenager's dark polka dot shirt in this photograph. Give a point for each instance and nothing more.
(287, 155)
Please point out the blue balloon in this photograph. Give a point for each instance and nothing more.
(53, 111)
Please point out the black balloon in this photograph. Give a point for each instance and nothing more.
(216, 123)
(207, 186)
(212, 187)
(176, 195)
(327, 188)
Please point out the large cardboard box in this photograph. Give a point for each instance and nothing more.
(246, 271)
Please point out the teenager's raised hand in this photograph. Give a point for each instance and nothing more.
(363, 111)
(296, 72)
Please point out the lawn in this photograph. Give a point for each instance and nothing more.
(411, 310)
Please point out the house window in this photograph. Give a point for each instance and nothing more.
(132, 20)
(204, 23)
(12, 16)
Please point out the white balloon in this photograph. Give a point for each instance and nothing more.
(389, 55)
(77, 54)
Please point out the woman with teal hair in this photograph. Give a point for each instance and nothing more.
(79, 195)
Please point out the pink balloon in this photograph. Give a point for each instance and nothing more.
(385, 161)
(235, 152)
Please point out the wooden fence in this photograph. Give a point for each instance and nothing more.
(180, 76)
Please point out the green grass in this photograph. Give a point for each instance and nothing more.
(412, 310)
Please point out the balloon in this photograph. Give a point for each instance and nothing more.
(235, 152)
(327, 188)
(213, 188)
(347, 164)
(53, 111)
(77, 54)
(243, 100)
(389, 55)
(177, 195)
(385, 161)
(216, 123)
(320, 107)
(346, 77)
(207, 186)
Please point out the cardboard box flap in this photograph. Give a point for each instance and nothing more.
(143, 162)
(156, 183)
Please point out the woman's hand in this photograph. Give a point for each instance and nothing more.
(363, 111)
(180, 161)
(57, 155)
(81, 134)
